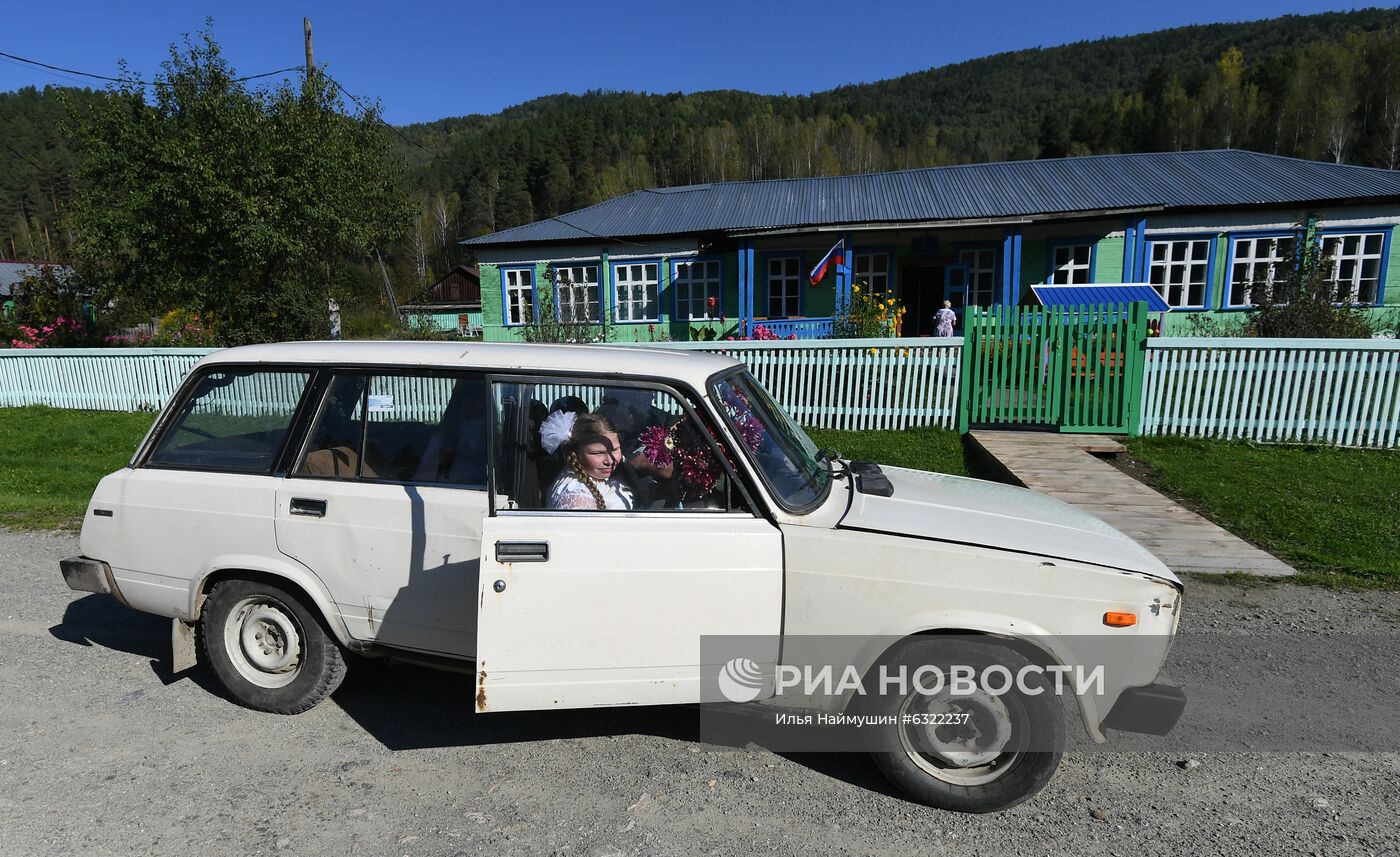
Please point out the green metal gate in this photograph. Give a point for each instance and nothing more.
(1075, 369)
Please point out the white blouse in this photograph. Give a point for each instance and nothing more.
(568, 492)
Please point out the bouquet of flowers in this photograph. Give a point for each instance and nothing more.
(681, 447)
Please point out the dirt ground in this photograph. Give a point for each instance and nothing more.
(104, 752)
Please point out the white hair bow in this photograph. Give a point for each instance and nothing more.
(556, 430)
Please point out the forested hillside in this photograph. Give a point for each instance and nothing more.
(1323, 86)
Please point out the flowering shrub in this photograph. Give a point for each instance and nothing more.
(181, 328)
(760, 333)
(61, 332)
(868, 315)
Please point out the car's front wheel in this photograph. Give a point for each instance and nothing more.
(267, 648)
(982, 751)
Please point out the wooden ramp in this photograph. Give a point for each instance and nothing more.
(1063, 466)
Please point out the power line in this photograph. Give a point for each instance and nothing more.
(32, 162)
(59, 68)
(492, 184)
(399, 133)
(436, 156)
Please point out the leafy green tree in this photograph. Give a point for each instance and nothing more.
(242, 205)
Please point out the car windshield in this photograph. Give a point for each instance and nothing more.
(778, 447)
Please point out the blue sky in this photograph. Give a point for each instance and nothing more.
(429, 60)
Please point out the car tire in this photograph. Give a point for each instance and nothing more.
(268, 648)
(1007, 754)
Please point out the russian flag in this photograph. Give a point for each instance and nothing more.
(831, 255)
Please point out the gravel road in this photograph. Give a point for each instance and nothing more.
(104, 752)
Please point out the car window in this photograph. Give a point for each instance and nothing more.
(401, 428)
(790, 462)
(234, 420)
(595, 447)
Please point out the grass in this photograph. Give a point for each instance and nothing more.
(932, 449)
(53, 459)
(1331, 513)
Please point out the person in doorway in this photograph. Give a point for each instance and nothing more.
(944, 320)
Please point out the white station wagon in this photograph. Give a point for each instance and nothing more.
(572, 522)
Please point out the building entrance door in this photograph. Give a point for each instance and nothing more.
(921, 293)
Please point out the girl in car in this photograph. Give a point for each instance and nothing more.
(593, 456)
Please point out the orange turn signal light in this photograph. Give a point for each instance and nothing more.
(1119, 620)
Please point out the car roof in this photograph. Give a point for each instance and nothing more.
(689, 366)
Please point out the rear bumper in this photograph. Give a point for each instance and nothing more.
(87, 575)
(1151, 709)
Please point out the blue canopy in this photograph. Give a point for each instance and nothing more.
(1103, 293)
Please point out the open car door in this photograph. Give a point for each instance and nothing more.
(595, 607)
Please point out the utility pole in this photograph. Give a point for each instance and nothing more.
(310, 61)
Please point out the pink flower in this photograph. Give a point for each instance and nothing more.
(792, 336)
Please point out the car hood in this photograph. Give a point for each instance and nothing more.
(972, 511)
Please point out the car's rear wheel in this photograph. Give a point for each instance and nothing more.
(982, 751)
(268, 648)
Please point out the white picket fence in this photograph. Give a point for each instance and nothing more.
(1333, 391)
(843, 384)
(94, 379)
(1343, 392)
(854, 384)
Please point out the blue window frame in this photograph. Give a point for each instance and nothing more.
(1256, 260)
(576, 292)
(1071, 261)
(1358, 259)
(1182, 268)
(636, 290)
(517, 294)
(697, 288)
(782, 279)
(874, 266)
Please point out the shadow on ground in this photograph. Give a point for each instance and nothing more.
(100, 620)
(407, 707)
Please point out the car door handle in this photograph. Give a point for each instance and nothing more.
(522, 551)
(307, 507)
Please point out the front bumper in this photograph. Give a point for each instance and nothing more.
(87, 575)
(1151, 709)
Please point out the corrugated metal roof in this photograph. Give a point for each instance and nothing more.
(11, 273)
(1105, 293)
(1229, 177)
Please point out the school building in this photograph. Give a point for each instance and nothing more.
(1205, 229)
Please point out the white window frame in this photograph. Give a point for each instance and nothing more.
(1349, 291)
(981, 265)
(1170, 268)
(634, 291)
(572, 294)
(1070, 272)
(864, 269)
(694, 292)
(1271, 264)
(789, 291)
(519, 309)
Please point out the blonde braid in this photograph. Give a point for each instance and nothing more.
(585, 479)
